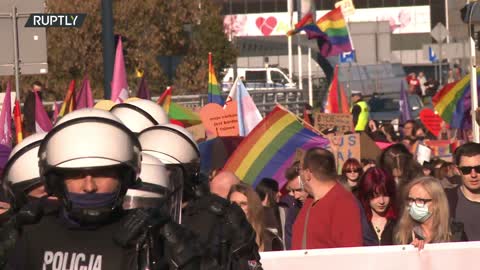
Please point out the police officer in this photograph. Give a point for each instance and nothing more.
(82, 163)
(140, 114)
(221, 226)
(360, 111)
(22, 176)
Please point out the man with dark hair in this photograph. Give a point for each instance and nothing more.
(464, 201)
(330, 218)
(29, 108)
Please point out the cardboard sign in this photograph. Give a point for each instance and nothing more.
(198, 132)
(344, 147)
(431, 121)
(343, 122)
(219, 121)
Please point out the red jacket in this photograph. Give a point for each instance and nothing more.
(334, 221)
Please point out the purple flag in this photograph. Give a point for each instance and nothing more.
(119, 80)
(6, 119)
(405, 114)
(143, 91)
(84, 98)
(42, 122)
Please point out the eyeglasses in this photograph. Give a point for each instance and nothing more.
(418, 201)
(354, 170)
(468, 169)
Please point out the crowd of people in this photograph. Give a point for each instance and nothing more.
(122, 189)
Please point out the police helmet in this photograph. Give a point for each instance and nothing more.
(159, 188)
(89, 139)
(140, 114)
(177, 149)
(21, 172)
(170, 143)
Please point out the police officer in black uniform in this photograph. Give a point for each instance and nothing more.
(222, 227)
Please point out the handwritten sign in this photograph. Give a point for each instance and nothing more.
(431, 121)
(218, 121)
(343, 122)
(347, 7)
(344, 147)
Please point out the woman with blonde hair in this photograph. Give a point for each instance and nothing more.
(425, 216)
(246, 197)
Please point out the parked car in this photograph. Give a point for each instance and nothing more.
(259, 78)
(386, 109)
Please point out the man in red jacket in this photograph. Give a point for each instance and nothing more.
(331, 218)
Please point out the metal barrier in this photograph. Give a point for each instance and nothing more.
(265, 100)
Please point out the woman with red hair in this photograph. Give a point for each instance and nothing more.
(351, 172)
(376, 192)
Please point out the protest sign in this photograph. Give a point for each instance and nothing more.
(445, 256)
(357, 145)
(431, 121)
(441, 148)
(198, 132)
(343, 122)
(219, 121)
(344, 147)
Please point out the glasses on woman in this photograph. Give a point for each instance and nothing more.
(418, 201)
(358, 170)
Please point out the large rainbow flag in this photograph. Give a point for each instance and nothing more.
(214, 93)
(176, 111)
(452, 102)
(334, 26)
(270, 148)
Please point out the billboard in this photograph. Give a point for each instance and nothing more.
(402, 20)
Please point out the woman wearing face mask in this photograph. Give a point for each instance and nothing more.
(377, 193)
(425, 217)
(351, 173)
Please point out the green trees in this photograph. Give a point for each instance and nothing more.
(150, 28)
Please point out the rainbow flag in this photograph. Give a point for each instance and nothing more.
(69, 101)
(453, 100)
(270, 148)
(308, 25)
(214, 94)
(337, 101)
(338, 38)
(176, 111)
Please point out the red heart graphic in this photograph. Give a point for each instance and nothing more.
(431, 121)
(219, 121)
(266, 26)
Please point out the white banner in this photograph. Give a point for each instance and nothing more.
(448, 256)
(402, 20)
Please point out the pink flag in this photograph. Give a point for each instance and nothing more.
(84, 98)
(42, 122)
(6, 119)
(56, 110)
(119, 80)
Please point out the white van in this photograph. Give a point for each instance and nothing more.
(259, 78)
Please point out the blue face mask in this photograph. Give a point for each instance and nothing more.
(92, 200)
(419, 213)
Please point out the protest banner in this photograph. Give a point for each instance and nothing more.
(343, 122)
(219, 121)
(445, 256)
